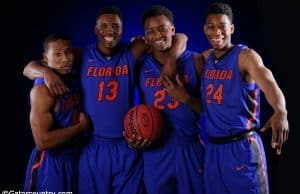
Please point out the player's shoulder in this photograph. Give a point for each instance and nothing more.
(186, 55)
(199, 62)
(206, 53)
(147, 60)
(247, 53)
(197, 55)
(40, 92)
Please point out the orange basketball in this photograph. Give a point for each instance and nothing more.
(143, 121)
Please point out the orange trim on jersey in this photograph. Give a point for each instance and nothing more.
(250, 120)
(264, 171)
(35, 166)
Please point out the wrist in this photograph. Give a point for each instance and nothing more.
(45, 72)
(280, 111)
(186, 99)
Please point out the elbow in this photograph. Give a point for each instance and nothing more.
(26, 73)
(185, 38)
(25, 70)
(42, 143)
(40, 147)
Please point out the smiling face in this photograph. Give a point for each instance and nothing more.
(218, 30)
(59, 56)
(109, 31)
(159, 32)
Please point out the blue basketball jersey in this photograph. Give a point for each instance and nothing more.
(230, 104)
(107, 164)
(107, 82)
(67, 113)
(175, 163)
(55, 169)
(180, 119)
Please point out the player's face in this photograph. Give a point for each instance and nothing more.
(59, 56)
(109, 30)
(159, 32)
(218, 30)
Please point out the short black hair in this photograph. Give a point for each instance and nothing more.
(54, 37)
(157, 10)
(110, 10)
(220, 8)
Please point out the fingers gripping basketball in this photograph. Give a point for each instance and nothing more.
(143, 121)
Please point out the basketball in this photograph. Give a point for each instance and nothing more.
(143, 121)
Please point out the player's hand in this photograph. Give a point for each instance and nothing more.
(136, 143)
(181, 40)
(54, 83)
(84, 121)
(175, 90)
(138, 38)
(280, 130)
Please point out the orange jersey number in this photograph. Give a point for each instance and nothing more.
(113, 90)
(160, 96)
(214, 94)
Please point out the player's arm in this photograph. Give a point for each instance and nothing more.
(178, 46)
(177, 91)
(36, 69)
(179, 43)
(139, 47)
(132, 141)
(41, 120)
(205, 54)
(252, 69)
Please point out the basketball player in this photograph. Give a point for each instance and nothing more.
(232, 79)
(56, 124)
(107, 164)
(174, 164)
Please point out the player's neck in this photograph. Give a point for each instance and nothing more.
(160, 56)
(219, 53)
(107, 51)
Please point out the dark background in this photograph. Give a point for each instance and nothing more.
(269, 27)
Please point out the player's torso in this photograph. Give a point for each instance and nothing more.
(230, 103)
(108, 89)
(66, 111)
(180, 119)
(68, 105)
